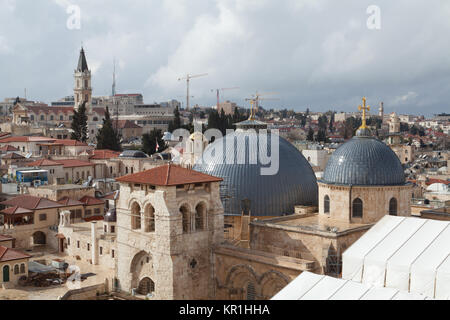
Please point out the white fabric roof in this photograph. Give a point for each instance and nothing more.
(310, 286)
(408, 254)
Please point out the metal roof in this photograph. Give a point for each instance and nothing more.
(364, 161)
(270, 195)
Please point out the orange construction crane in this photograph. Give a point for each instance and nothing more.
(218, 93)
(188, 79)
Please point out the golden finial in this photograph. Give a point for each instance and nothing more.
(251, 110)
(363, 109)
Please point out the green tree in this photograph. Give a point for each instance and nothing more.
(330, 127)
(107, 136)
(176, 123)
(310, 136)
(79, 124)
(149, 142)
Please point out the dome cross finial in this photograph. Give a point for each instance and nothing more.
(363, 108)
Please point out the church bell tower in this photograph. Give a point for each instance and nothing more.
(83, 90)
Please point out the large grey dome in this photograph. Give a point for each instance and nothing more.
(364, 161)
(270, 195)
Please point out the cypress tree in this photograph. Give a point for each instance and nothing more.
(79, 124)
(107, 136)
(149, 142)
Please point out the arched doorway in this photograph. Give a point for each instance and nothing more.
(141, 266)
(39, 238)
(6, 273)
(146, 286)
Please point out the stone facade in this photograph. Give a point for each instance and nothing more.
(175, 256)
(375, 199)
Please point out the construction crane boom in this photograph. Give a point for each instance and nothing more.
(188, 78)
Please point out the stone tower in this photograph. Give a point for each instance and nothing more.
(394, 124)
(168, 220)
(83, 90)
(381, 111)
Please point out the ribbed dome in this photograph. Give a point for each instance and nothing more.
(364, 161)
(270, 195)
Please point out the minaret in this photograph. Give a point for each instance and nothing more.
(83, 91)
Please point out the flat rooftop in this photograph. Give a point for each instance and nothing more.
(56, 187)
(312, 223)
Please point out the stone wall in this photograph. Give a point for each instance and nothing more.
(375, 201)
(178, 263)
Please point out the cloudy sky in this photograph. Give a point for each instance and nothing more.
(314, 53)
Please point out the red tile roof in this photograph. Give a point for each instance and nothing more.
(8, 254)
(90, 201)
(125, 124)
(8, 148)
(168, 175)
(31, 202)
(66, 201)
(104, 154)
(13, 155)
(5, 237)
(15, 210)
(432, 180)
(44, 163)
(73, 163)
(4, 134)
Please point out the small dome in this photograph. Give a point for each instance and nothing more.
(364, 160)
(133, 154)
(111, 216)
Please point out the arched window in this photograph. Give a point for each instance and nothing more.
(186, 219)
(135, 216)
(149, 219)
(22, 268)
(16, 269)
(61, 117)
(200, 211)
(32, 118)
(42, 118)
(326, 204)
(357, 207)
(251, 291)
(393, 207)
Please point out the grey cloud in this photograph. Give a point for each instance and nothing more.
(317, 54)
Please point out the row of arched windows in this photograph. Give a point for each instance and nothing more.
(191, 221)
(357, 207)
(148, 218)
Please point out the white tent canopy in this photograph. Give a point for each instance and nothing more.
(407, 254)
(310, 286)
